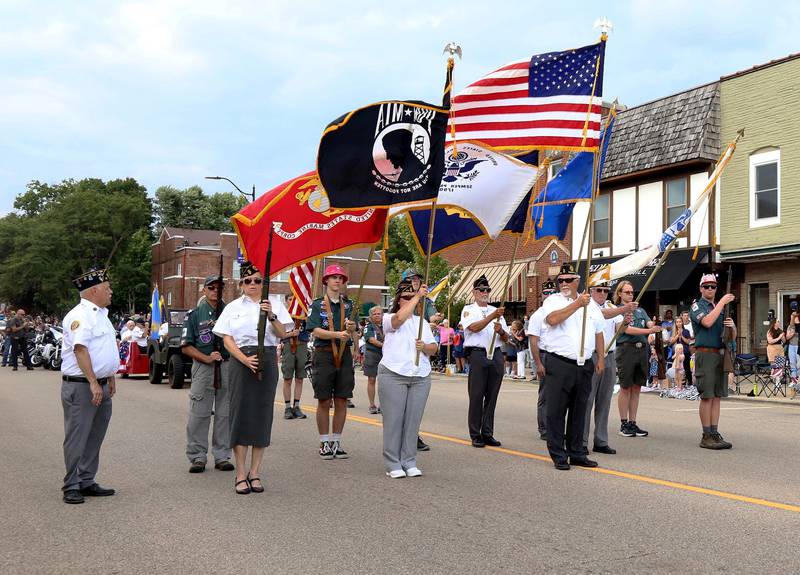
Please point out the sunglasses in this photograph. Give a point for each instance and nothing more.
(627, 292)
(566, 280)
(601, 290)
(484, 290)
(708, 286)
(212, 287)
(248, 281)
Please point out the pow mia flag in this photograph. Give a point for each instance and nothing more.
(385, 154)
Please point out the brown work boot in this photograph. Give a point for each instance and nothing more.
(719, 439)
(708, 442)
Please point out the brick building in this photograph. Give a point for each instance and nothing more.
(183, 258)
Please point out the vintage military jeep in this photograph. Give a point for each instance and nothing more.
(165, 354)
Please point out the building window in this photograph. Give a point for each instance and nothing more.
(235, 269)
(180, 269)
(602, 220)
(765, 188)
(282, 277)
(759, 314)
(169, 298)
(555, 167)
(675, 200)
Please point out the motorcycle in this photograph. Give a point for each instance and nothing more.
(35, 349)
(51, 352)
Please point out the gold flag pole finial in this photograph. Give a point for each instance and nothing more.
(452, 49)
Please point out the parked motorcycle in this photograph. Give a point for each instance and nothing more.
(35, 349)
(51, 352)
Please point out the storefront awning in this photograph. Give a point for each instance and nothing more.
(672, 275)
(496, 274)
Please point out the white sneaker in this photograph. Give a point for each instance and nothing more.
(396, 473)
(414, 472)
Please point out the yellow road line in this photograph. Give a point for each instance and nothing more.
(601, 470)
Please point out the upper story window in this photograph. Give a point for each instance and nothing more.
(676, 199)
(180, 269)
(282, 277)
(555, 167)
(602, 220)
(765, 188)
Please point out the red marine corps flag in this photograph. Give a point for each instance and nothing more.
(306, 227)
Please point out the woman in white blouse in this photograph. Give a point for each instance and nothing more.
(251, 399)
(403, 387)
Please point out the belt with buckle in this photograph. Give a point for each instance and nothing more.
(636, 344)
(710, 349)
(81, 379)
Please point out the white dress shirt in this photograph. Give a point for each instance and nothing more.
(472, 313)
(538, 327)
(399, 347)
(88, 325)
(138, 336)
(564, 338)
(239, 320)
(610, 325)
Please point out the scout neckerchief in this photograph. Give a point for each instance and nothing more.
(338, 348)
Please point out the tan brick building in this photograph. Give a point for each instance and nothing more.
(183, 258)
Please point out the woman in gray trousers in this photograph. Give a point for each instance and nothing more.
(403, 387)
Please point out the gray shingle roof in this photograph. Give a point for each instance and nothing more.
(668, 131)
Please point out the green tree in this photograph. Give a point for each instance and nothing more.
(130, 274)
(193, 209)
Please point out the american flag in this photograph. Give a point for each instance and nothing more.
(301, 282)
(552, 100)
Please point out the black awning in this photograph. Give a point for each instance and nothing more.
(678, 268)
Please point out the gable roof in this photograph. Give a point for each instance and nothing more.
(672, 130)
(194, 237)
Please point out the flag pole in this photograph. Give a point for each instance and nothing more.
(490, 351)
(451, 49)
(720, 166)
(357, 300)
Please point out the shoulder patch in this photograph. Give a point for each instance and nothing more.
(695, 307)
(74, 325)
(466, 313)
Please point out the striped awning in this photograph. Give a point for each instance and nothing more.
(496, 274)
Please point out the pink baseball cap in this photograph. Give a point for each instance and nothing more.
(333, 270)
(708, 279)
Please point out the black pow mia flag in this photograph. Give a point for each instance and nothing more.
(385, 154)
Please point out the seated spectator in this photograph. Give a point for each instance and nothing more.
(775, 340)
(139, 333)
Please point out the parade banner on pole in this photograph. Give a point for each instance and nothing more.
(306, 226)
(636, 261)
(156, 313)
(384, 154)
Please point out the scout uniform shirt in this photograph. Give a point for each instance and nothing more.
(376, 331)
(304, 334)
(472, 313)
(88, 325)
(640, 320)
(318, 317)
(197, 329)
(705, 337)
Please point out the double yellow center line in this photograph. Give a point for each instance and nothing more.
(600, 470)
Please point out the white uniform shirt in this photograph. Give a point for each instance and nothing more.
(610, 325)
(239, 319)
(163, 330)
(126, 334)
(564, 338)
(88, 325)
(399, 347)
(138, 336)
(538, 327)
(472, 313)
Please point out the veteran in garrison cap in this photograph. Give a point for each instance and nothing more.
(481, 323)
(89, 361)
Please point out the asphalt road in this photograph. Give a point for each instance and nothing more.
(661, 505)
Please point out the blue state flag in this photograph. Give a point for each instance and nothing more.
(552, 208)
(155, 314)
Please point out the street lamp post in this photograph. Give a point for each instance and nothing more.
(251, 196)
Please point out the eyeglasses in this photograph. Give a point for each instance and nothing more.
(212, 287)
(628, 292)
(708, 286)
(484, 289)
(248, 281)
(566, 280)
(601, 290)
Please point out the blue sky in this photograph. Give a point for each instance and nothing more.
(170, 91)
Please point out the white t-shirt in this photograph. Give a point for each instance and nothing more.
(399, 347)
(472, 313)
(564, 338)
(239, 319)
(138, 336)
(89, 326)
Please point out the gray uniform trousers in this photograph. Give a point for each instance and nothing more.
(203, 401)
(403, 400)
(85, 428)
(600, 400)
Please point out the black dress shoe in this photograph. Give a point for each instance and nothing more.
(583, 462)
(73, 496)
(542, 436)
(489, 440)
(197, 466)
(478, 442)
(421, 445)
(94, 490)
(561, 465)
(604, 449)
(223, 465)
